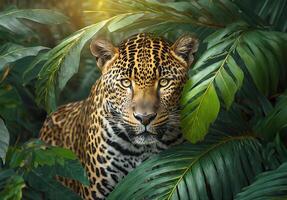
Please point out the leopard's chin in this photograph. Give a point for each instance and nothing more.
(144, 138)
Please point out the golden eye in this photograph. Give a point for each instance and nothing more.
(126, 83)
(163, 82)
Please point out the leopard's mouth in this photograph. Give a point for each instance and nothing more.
(142, 135)
(144, 138)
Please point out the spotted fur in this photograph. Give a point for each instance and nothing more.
(131, 113)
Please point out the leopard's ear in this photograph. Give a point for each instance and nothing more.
(184, 48)
(104, 51)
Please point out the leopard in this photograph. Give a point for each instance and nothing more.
(131, 113)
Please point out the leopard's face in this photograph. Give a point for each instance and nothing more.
(143, 79)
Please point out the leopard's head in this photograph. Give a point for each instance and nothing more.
(142, 82)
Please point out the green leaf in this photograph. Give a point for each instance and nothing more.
(216, 169)
(9, 98)
(275, 153)
(72, 169)
(40, 164)
(218, 73)
(268, 185)
(4, 140)
(273, 13)
(43, 179)
(214, 14)
(275, 120)
(12, 52)
(207, 108)
(11, 19)
(62, 63)
(122, 21)
(216, 68)
(261, 51)
(35, 153)
(11, 185)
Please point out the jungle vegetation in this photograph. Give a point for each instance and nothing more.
(234, 105)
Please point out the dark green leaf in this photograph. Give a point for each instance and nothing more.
(216, 169)
(10, 19)
(73, 169)
(4, 140)
(268, 185)
(11, 185)
(43, 180)
(12, 52)
(271, 125)
(62, 64)
(218, 70)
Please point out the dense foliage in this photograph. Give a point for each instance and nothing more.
(234, 105)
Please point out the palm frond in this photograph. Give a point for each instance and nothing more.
(216, 169)
(38, 164)
(275, 120)
(11, 184)
(271, 13)
(62, 62)
(218, 74)
(268, 185)
(275, 153)
(10, 19)
(11, 52)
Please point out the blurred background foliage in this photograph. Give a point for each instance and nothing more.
(236, 94)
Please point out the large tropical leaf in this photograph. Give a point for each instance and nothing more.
(275, 120)
(11, 19)
(43, 180)
(275, 153)
(12, 52)
(274, 12)
(39, 164)
(271, 13)
(218, 74)
(268, 185)
(11, 185)
(35, 154)
(215, 14)
(215, 169)
(62, 62)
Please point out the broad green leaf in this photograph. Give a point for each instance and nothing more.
(207, 108)
(213, 169)
(11, 19)
(40, 164)
(275, 120)
(252, 67)
(268, 185)
(35, 153)
(12, 52)
(220, 68)
(123, 21)
(42, 179)
(4, 140)
(275, 153)
(227, 86)
(273, 13)
(11, 185)
(72, 169)
(61, 64)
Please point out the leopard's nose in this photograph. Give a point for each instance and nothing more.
(145, 119)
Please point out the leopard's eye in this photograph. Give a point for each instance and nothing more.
(163, 82)
(126, 83)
